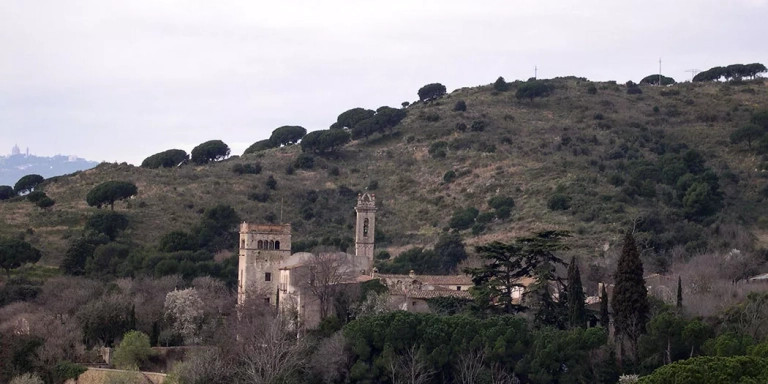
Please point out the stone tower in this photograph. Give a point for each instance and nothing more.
(262, 248)
(365, 227)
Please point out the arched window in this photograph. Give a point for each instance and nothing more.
(271, 244)
(260, 245)
(242, 243)
(277, 245)
(365, 227)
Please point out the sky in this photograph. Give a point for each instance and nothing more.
(121, 80)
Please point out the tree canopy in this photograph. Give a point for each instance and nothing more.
(748, 133)
(733, 71)
(501, 85)
(431, 91)
(324, 141)
(534, 88)
(654, 80)
(260, 145)
(385, 118)
(27, 184)
(15, 253)
(287, 135)
(110, 191)
(6, 192)
(212, 150)
(630, 296)
(108, 223)
(350, 118)
(165, 159)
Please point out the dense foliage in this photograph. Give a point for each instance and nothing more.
(431, 91)
(27, 184)
(166, 159)
(212, 150)
(110, 191)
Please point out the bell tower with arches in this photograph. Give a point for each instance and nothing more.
(365, 227)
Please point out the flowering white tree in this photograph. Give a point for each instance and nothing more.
(184, 311)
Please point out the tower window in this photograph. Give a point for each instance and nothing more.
(267, 276)
(266, 300)
(271, 244)
(365, 227)
(260, 244)
(277, 245)
(458, 288)
(242, 243)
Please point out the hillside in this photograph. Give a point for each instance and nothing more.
(605, 155)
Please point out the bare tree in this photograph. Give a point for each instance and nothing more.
(204, 366)
(322, 277)
(413, 368)
(331, 361)
(499, 375)
(469, 366)
(270, 353)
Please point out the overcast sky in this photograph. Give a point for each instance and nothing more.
(121, 80)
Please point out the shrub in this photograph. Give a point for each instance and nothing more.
(432, 117)
(271, 183)
(431, 91)
(633, 89)
(503, 212)
(463, 218)
(654, 80)
(6, 192)
(289, 169)
(498, 202)
(212, 150)
(165, 159)
(35, 196)
(382, 255)
(616, 180)
(437, 149)
(132, 351)
(251, 169)
(591, 89)
(478, 125)
(333, 171)
(304, 161)
(599, 116)
(176, 241)
(485, 217)
(261, 197)
(559, 202)
(500, 85)
(324, 141)
(373, 185)
(461, 127)
(109, 223)
(460, 106)
(534, 88)
(449, 176)
(110, 191)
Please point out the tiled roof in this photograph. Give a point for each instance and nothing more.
(432, 279)
(437, 293)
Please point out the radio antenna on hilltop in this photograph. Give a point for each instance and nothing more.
(693, 73)
(659, 71)
(535, 72)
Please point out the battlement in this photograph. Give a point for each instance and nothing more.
(366, 201)
(272, 229)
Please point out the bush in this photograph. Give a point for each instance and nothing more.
(132, 351)
(334, 171)
(534, 88)
(261, 197)
(633, 89)
(437, 149)
(498, 202)
(478, 125)
(431, 91)
(559, 202)
(463, 218)
(500, 85)
(503, 212)
(460, 106)
(271, 183)
(461, 127)
(176, 241)
(449, 176)
(304, 161)
(373, 185)
(289, 169)
(485, 217)
(250, 169)
(616, 180)
(109, 223)
(212, 150)
(165, 159)
(591, 89)
(432, 117)
(35, 196)
(45, 202)
(260, 145)
(6, 192)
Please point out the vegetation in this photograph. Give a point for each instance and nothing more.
(166, 159)
(209, 151)
(110, 191)
(6, 192)
(287, 135)
(654, 80)
(431, 91)
(133, 350)
(532, 89)
(324, 141)
(15, 253)
(630, 296)
(27, 184)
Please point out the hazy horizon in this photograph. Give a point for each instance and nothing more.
(113, 81)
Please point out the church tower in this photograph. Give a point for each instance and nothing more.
(263, 247)
(365, 227)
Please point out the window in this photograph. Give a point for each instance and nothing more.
(277, 245)
(458, 287)
(260, 245)
(266, 300)
(242, 243)
(271, 245)
(267, 276)
(365, 227)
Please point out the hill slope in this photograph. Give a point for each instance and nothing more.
(607, 156)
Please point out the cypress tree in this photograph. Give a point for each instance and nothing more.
(630, 296)
(679, 292)
(576, 311)
(604, 319)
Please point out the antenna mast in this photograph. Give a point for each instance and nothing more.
(659, 71)
(693, 73)
(535, 72)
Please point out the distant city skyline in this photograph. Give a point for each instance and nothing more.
(120, 81)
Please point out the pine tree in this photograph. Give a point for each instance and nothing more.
(630, 296)
(604, 319)
(576, 311)
(679, 292)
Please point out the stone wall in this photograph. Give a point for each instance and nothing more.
(103, 376)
